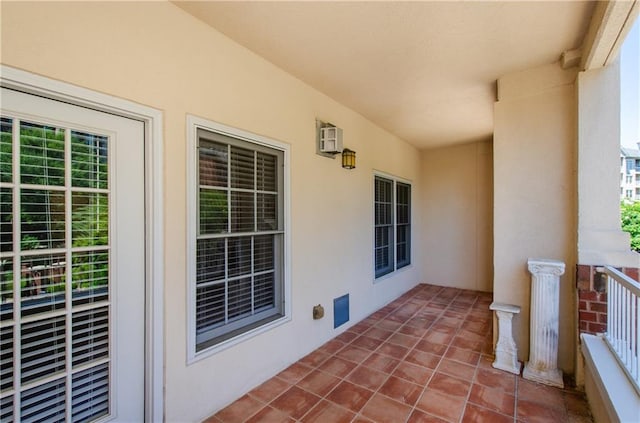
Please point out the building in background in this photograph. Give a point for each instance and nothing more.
(630, 174)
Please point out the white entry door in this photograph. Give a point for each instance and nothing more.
(72, 263)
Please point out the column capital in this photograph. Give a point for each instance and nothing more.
(553, 267)
(510, 308)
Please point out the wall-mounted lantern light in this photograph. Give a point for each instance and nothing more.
(348, 159)
(329, 144)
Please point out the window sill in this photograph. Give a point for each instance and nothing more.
(229, 343)
(392, 274)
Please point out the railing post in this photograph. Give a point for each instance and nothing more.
(543, 345)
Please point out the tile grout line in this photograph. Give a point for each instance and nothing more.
(424, 389)
(420, 298)
(400, 360)
(474, 380)
(475, 372)
(515, 398)
(389, 373)
(344, 378)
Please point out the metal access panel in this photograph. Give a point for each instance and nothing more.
(340, 310)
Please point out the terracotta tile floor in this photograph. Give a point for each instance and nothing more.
(425, 357)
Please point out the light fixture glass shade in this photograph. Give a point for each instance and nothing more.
(348, 159)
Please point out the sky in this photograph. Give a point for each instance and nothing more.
(630, 89)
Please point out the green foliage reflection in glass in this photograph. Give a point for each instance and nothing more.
(42, 211)
(41, 154)
(88, 160)
(42, 163)
(90, 219)
(6, 219)
(213, 211)
(42, 219)
(6, 167)
(90, 271)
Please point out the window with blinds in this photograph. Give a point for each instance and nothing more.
(392, 225)
(239, 239)
(403, 224)
(384, 239)
(54, 274)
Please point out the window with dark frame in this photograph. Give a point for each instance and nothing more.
(240, 237)
(392, 225)
(403, 225)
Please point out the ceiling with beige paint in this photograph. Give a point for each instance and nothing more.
(425, 71)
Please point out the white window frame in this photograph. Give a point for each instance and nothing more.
(396, 269)
(193, 124)
(154, 208)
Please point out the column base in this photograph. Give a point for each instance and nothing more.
(506, 361)
(547, 377)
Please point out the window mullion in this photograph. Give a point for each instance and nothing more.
(226, 281)
(394, 222)
(255, 227)
(198, 188)
(68, 271)
(239, 234)
(226, 240)
(17, 276)
(255, 191)
(253, 276)
(229, 203)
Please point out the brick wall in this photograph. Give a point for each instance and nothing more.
(592, 297)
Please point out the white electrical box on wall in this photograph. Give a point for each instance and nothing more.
(330, 139)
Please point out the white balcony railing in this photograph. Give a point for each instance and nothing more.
(623, 330)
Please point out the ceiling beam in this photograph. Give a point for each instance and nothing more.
(610, 23)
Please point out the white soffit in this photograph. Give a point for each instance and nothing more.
(425, 71)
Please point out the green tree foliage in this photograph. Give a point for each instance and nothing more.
(630, 213)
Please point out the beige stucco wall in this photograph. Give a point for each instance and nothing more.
(600, 238)
(596, 404)
(157, 55)
(457, 207)
(534, 191)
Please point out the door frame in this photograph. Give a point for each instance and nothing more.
(154, 243)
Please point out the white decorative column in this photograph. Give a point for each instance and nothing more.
(543, 345)
(506, 350)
